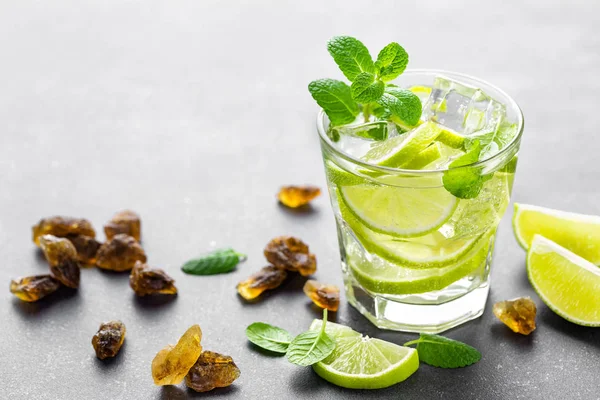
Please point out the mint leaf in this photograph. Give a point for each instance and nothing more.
(365, 88)
(335, 99)
(310, 347)
(442, 352)
(466, 182)
(391, 62)
(216, 262)
(404, 105)
(351, 56)
(269, 337)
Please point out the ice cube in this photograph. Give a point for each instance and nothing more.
(462, 108)
(373, 130)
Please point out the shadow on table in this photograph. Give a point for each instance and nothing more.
(306, 210)
(176, 393)
(582, 333)
(36, 308)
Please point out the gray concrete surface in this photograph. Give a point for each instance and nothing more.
(193, 113)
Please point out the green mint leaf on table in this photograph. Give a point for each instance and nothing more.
(442, 352)
(269, 337)
(465, 183)
(310, 347)
(216, 262)
(391, 62)
(403, 104)
(351, 56)
(335, 99)
(366, 89)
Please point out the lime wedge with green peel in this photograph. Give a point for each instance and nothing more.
(577, 232)
(402, 149)
(422, 92)
(424, 158)
(451, 139)
(339, 176)
(361, 362)
(567, 283)
(382, 277)
(400, 211)
(430, 251)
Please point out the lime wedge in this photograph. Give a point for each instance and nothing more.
(391, 279)
(401, 211)
(577, 232)
(567, 283)
(451, 139)
(339, 176)
(429, 251)
(402, 149)
(361, 362)
(424, 158)
(422, 92)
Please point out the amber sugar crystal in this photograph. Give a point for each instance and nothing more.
(147, 281)
(127, 222)
(172, 363)
(267, 278)
(212, 370)
(33, 288)
(518, 314)
(87, 248)
(108, 340)
(62, 227)
(292, 254)
(120, 253)
(297, 196)
(63, 259)
(324, 296)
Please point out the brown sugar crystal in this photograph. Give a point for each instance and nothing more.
(147, 281)
(212, 370)
(297, 196)
(61, 227)
(292, 254)
(267, 278)
(127, 222)
(120, 253)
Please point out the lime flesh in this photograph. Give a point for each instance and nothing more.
(567, 283)
(577, 232)
(361, 362)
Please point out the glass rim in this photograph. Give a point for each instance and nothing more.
(513, 143)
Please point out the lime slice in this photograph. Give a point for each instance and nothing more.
(422, 92)
(485, 210)
(424, 158)
(401, 211)
(567, 283)
(401, 149)
(451, 139)
(577, 232)
(429, 251)
(339, 176)
(380, 277)
(361, 362)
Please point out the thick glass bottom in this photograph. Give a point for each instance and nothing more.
(386, 313)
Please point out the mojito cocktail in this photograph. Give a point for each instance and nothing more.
(417, 200)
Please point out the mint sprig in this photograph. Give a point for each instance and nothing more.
(335, 99)
(442, 352)
(310, 347)
(369, 92)
(465, 182)
(269, 337)
(216, 262)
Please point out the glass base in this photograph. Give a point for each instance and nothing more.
(429, 318)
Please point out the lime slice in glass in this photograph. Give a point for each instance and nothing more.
(387, 278)
(424, 158)
(361, 362)
(402, 149)
(401, 211)
(422, 92)
(567, 283)
(451, 138)
(577, 232)
(428, 251)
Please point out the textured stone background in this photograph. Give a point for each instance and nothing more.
(194, 112)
